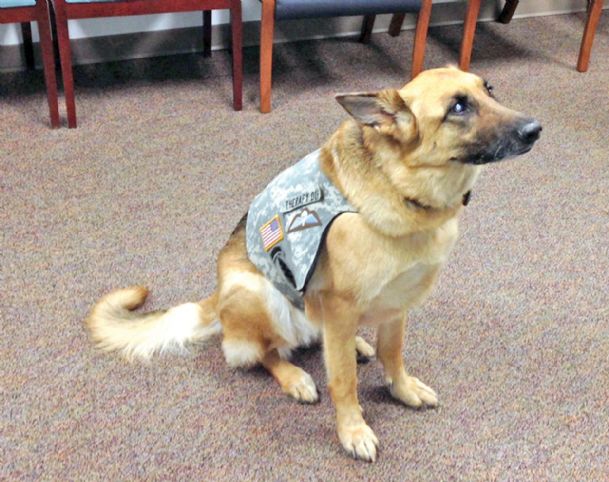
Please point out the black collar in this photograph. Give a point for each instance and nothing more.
(465, 201)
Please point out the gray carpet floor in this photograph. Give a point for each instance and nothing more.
(515, 339)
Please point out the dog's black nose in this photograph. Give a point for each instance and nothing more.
(529, 131)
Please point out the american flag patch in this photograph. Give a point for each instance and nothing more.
(272, 233)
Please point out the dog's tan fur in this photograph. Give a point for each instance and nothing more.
(406, 168)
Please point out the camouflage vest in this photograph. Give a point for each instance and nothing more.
(287, 223)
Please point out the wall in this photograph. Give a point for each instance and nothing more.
(173, 33)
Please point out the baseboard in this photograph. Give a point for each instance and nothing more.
(188, 40)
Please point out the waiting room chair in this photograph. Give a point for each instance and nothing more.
(77, 9)
(273, 10)
(24, 12)
(471, 17)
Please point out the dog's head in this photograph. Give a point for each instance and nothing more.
(443, 116)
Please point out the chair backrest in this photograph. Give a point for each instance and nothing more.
(17, 3)
(89, 1)
(286, 9)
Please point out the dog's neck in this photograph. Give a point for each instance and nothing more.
(416, 204)
(355, 171)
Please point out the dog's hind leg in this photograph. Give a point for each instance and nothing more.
(245, 352)
(249, 349)
(364, 349)
(293, 380)
(256, 321)
(260, 326)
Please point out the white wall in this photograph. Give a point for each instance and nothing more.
(11, 34)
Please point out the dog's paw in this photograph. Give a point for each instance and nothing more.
(359, 441)
(414, 393)
(363, 349)
(302, 388)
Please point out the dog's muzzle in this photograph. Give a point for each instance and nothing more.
(518, 140)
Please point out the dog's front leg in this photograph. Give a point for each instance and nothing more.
(409, 390)
(339, 327)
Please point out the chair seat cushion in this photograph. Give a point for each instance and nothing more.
(17, 3)
(285, 9)
(90, 1)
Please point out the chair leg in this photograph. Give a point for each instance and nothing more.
(594, 15)
(266, 53)
(28, 45)
(508, 11)
(395, 27)
(420, 38)
(48, 61)
(54, 36)
(207, 33)
(237, 51)
(367, 26)
(469, 30)
(65, 56)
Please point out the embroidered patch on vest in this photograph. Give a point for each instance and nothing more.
(272, 233)
(313, 195)
(304, 219)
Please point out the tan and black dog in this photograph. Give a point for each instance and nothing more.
(406, 160)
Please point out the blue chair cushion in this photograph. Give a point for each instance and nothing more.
(89, 1)
(17, 3)
(285, 9)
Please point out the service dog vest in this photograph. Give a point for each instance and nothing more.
(287, 223)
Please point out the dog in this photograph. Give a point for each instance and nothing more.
(402, 165)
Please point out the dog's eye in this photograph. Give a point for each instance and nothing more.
(489, 88)
(460, 106)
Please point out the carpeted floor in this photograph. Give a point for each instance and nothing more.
(515, 339)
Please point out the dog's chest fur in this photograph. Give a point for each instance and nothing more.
(408, 275)
(385, 276)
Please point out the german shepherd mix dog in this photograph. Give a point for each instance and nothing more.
(404, 163)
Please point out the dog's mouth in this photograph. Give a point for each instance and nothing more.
(499, 154)
(517, 142)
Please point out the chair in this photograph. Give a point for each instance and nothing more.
(469, 29)
(292, 9)
(24, 12)
(76, 9)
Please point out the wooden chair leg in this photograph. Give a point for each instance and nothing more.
(508, 11)
(594, 15)
(54, 35)
(420, 38)
(207, 33)
(395, 27)
(237, 51)
(266, 53)
(469, 30)
(28, 45)
(367, 26)
(48, 61)
(65, 56)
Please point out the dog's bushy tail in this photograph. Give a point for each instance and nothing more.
(114, 326)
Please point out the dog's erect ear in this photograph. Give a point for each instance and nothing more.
(364, 108)
(384, 110)
(375, 108)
